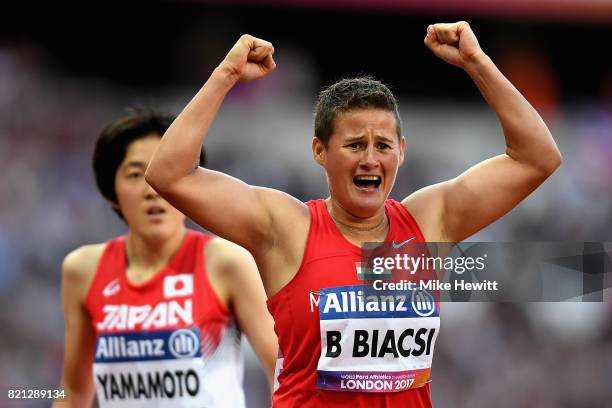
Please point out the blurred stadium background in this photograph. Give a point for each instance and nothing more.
(66, 71)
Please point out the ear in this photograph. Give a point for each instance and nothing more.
(114, 205)
(319, 152)
(402, 147)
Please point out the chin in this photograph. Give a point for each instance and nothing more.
(158, 232)
(366, 207)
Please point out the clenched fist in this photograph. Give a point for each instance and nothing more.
(249, 59)
(454, 43)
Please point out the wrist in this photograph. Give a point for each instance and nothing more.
(477, 63)
(224, 76)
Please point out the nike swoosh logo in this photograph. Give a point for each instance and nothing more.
(401, 244)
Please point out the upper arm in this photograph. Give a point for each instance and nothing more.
(251, 216)
(78, 269)
(238, 273)
(458, 208)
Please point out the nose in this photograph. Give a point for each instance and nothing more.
(369, 159)
(149, 192)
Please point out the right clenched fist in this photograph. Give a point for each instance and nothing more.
(249, 59)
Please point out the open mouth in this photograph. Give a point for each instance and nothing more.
(367, 182)
(155, 211)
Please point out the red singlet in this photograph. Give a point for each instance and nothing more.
(166, 342)
(341, 344)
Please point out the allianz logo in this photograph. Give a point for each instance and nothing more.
(120, 347)
(356, 301)
(423, 303)
(182, 343)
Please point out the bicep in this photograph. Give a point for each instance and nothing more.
(228, 207)
(456, 209)
(485, 192)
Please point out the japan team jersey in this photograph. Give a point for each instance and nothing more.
(340, 342)
(168, 342)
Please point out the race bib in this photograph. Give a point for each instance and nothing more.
(150, 368)
(376, 340)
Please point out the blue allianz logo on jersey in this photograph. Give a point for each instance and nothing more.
(423, 303)
(148, 346)
(184, 343)
(361, 302)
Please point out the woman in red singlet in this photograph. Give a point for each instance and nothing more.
(340, 343)
(154, 317)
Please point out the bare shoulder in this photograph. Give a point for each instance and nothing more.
(222, 252)
(286, 210)
(427, 207)
(282, 201)
(291, 221)
(226, 264)
(79, 267)
(276, 255)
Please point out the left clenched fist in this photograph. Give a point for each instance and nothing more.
(455, 43)
(249, 59)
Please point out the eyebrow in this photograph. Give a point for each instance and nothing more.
(134, 164)
(386, 139)
(359, 138)
(353, 139)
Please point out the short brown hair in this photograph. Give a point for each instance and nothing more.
(348, 94)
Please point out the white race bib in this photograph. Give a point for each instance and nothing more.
(150, 368)
(376, 340)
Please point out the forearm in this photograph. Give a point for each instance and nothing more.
(179, 151)
(528, 139)
(77, 379)
(78, 396)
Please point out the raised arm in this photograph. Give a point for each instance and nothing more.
(222, 204)
(455, 209)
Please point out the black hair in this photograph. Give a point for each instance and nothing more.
(114, 140)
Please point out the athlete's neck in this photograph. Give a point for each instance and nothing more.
(358, 230)
(144, 258)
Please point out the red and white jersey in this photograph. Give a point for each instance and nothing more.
(168, 342)
(341, 344)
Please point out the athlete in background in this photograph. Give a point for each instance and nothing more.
(153, 318)
(307, 253)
